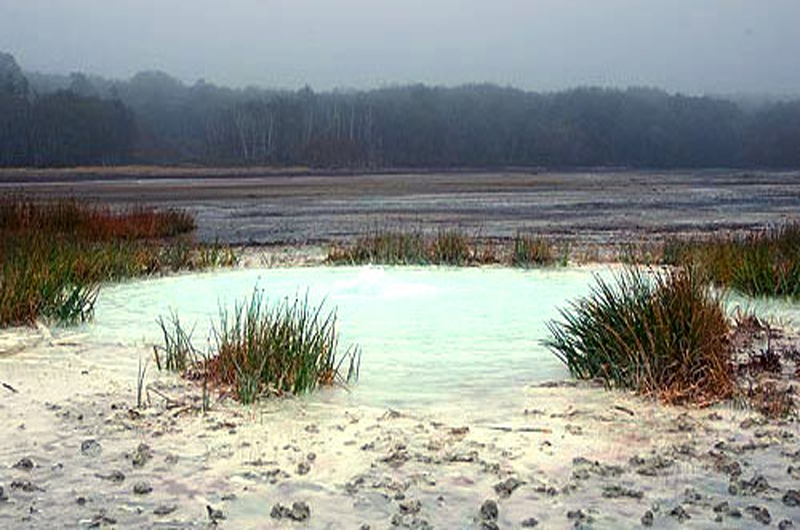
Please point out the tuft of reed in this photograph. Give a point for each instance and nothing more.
(530, 251)
(290, 347)
(215, 255)
(178, 354)
(141, 378)
(766, 263)
(661, 334)
(451, 247)
(89, 222)
(384, 247)
(54, 255)
(263, 349)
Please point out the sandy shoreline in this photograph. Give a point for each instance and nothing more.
(564, 455)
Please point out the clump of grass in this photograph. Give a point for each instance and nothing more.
(215, 255)
(54, 255)
(178, 353)
(45, 277)
(384, 247)
(263, 349)
(90, 222)
(414, 247)
(663, 334)
(766, 263)
(290, 347)
(451, 247)
(530, 251)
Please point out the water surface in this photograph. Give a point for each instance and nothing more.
(426, 334)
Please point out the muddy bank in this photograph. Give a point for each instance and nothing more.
(605, 208)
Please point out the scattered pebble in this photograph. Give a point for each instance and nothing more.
(651, 467)
(101, 519)
(214, 514)
(616, 491)
(792, 498)
(579, 518)
(25, 485)
(489, 511)
(507, 487)
(760, 514)
(530, 522)
(165, 509)
(142, 455)
(410, 507)
(91, 448)
(647, 518)
(757, 485)
(680, 513)
(300, 511)
(142, 488)
(691, 496)
(25, 464)
(114, 476)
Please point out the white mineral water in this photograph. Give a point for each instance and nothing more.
(425, 333)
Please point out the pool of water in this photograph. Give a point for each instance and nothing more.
(426, 334)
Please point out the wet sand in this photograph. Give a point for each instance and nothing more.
(266, 206)
(76, 452)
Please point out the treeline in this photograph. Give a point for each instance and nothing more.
(61, 128)
(50, 120)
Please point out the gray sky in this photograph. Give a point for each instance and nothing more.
(695, 46)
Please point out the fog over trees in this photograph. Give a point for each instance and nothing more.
(152, 118)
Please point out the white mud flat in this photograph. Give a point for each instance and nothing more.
(449, 427)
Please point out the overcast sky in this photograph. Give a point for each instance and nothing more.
(695, 46)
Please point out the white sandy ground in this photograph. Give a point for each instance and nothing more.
(565, 454)
(416, 468)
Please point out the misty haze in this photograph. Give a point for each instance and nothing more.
(399, 264)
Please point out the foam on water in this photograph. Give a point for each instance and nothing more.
(425, 333)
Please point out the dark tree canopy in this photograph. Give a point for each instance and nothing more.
(49, 120)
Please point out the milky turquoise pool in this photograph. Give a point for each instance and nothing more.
(426, 334)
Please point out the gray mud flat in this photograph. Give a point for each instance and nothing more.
(606, 207)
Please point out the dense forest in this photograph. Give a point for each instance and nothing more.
(152, 118)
